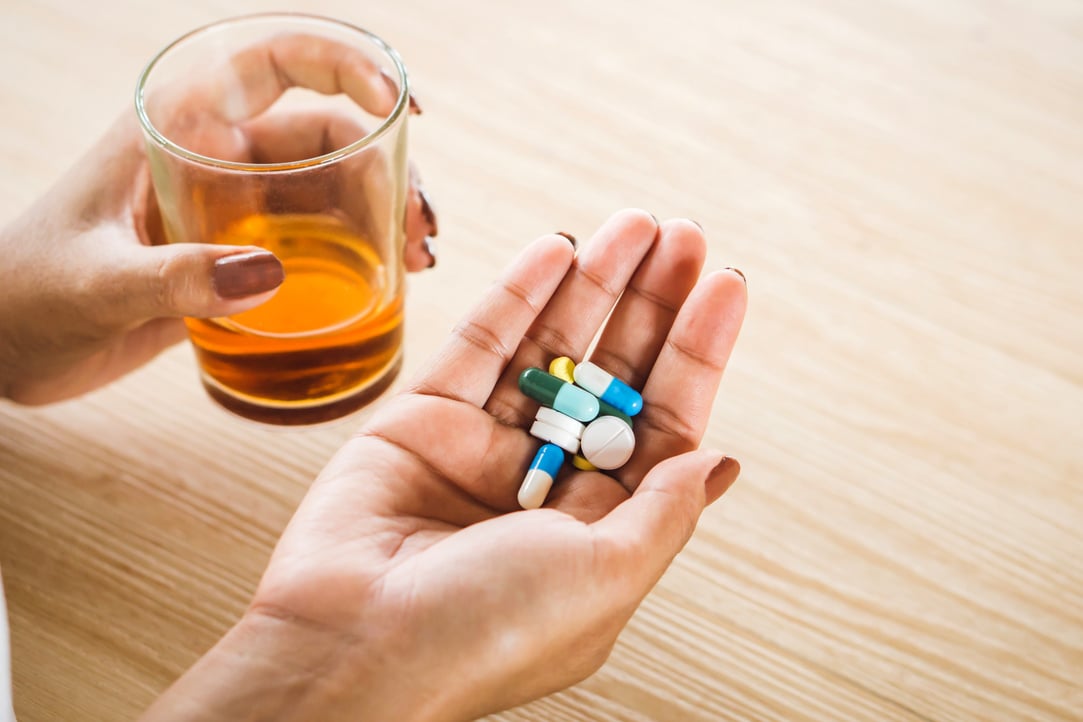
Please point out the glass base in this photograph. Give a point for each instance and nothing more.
(305, 415)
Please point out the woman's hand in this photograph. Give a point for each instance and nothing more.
(89, 291)
(409, 586)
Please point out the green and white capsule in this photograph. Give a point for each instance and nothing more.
(566, 398)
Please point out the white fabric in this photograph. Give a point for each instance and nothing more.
(7, 712)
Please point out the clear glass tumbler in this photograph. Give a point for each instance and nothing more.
(288, 132)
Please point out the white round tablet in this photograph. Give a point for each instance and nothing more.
(607, 442)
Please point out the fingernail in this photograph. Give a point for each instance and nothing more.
(738, 272)
(570, 237)
(697, 223)
(724, 473)
(430, 248)
(725, 466)
(246, 274)
(428, 212)
(415, 107)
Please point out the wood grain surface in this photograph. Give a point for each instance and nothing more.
(900, 180)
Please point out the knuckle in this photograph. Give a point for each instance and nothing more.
(695, 357)
(599, 281)
(670, 424)
(553, 341)
(163, 289)
(524, 296)
(483, 338)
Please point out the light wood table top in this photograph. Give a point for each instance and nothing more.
(902, 183)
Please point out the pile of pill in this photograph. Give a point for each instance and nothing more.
(585, 412)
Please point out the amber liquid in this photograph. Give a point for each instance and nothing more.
(327, 343)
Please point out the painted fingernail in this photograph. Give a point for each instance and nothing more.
(246, 274)
(570, 237)
(415, 107)
(428, 212)
(738, 272)
(725, 472)
(430, 248)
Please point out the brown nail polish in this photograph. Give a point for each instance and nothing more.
(415, 107)
(726, 471)
(570, 237)
(738, 272)
(246, 274)
(428, 212)
(721, 478)
(430, 248)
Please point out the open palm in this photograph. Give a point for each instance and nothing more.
(411, 543)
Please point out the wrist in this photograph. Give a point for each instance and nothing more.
(263, 668)
(269, 667)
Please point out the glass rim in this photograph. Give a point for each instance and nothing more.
(161, 140)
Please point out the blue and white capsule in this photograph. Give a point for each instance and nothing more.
(608, 388)
(539, 477)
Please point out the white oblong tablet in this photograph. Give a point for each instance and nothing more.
(535, 488)
(562, 421)
(555, 435)
(607, 442)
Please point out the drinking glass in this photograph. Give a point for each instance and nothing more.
(288, 132)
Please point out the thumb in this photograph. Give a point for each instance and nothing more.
(192, 279)
(648, 530)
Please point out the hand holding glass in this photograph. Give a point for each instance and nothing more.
(288, 133)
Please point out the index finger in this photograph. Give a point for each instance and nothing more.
(467, 367)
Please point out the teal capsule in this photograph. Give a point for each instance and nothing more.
(564, 397)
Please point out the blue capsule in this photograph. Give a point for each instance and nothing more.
(539, 477)
(608, 388)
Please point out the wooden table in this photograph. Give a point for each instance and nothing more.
(902, 183)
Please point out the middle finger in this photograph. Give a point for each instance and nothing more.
(364, 182)
(639, 324)
(571, 319)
